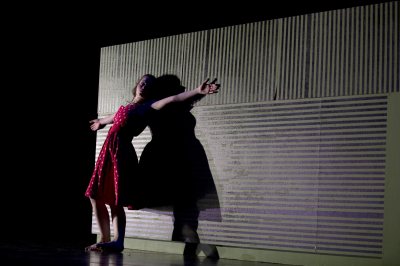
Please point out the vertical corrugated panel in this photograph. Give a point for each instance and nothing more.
(244, 58)
(122, 65)
(291, 76)
(304, 173)
(352, 51)
(364, 42)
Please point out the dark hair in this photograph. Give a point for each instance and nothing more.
(168, 85)
(153, 79)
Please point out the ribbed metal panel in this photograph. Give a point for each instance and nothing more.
(121, 66)
(296, 137)
(301, 175)
(351, 51)
(354, 51)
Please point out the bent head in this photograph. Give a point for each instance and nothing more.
(144, 87)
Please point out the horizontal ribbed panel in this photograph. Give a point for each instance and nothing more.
(302, 175)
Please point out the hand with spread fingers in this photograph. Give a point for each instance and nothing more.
(209, 88)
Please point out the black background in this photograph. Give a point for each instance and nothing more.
(50, 81)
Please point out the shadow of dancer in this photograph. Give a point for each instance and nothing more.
(175, 166)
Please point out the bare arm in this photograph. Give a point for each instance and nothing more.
(101, 123)
(202, 90)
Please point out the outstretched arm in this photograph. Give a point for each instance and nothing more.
(101, 123)
(202, 90)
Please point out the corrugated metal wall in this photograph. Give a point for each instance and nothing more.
(304, 172)
(304, 175)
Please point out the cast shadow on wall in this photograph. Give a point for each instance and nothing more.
(175, 169)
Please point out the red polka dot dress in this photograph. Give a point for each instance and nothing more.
(113, 178)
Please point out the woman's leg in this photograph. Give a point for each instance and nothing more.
(103, 220)
(119, 224)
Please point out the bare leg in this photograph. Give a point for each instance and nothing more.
(103, 220)
(119, 224)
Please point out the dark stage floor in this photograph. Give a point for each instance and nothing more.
(52, 253)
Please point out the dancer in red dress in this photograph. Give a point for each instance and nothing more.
(113, 180)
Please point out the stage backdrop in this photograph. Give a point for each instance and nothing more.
(297, 139)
